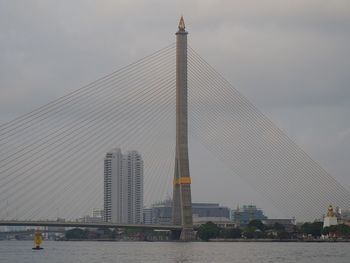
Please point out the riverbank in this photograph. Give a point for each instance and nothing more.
(278, 240)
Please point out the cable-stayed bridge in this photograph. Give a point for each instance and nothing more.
(51, 159)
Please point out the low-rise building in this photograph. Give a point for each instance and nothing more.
(241, 216)
(161, 213)
(222, 222)
(210, 210)
(288, 224)
(97, 216)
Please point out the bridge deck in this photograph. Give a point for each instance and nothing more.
(93, 225)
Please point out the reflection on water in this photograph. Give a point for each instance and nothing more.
(88, 252)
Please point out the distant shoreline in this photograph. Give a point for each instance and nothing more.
(223, 240)
(280, 240)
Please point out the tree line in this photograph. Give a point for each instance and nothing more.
(256, 230)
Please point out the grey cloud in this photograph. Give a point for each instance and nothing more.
(291, 58)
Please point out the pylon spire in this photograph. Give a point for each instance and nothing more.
(182, 24)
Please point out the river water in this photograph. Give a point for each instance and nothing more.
(174, 252)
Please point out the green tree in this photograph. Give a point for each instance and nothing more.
(344, 230)
(208, 230)
(282, 234)
(257, 224)
(314, 229)
(281, 231)
(106, 233)
(114, 233)
(77, 233)
(340, 230)
(325, 231)
(231, 233)
(249, 232)
(253, 232)
(279, 227)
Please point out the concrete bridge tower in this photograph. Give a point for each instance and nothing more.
(182, 202)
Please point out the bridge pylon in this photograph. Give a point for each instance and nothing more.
(182, 202)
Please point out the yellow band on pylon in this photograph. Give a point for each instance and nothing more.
(183, 180)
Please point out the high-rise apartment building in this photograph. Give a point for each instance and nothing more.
(123, 187)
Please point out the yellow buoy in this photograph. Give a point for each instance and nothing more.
(37, 239)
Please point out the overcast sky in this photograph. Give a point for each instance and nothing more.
(290, 58)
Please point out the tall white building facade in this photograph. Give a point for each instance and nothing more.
(123, 187)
